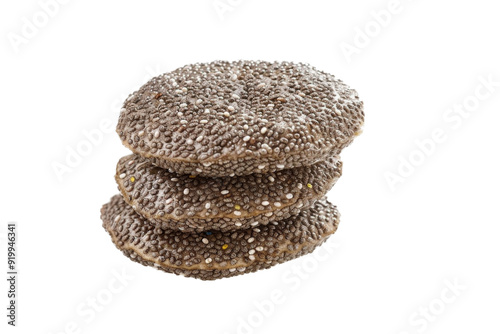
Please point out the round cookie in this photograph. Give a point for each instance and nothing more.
(193, 203)
(213, 255)
(237, 118)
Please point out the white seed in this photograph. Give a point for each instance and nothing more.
(263, 130)
(204, 240)
(207, 205)
(226, 114)
(140, 133)
(203, 121)
(261, 166)
(184, 121)
(208, 260)
(235, 96)
(299, 185)
(268, 214)
(230, 108)
(186, 191)
(237, 213)
(199, 138)
(251, 257)
(224, 192)
(117, 218)
(199, 170)
(169, 200)
(271, 178)
(251, 251)
(250, 240)
(260, 248)
(189, 141)
(254, 224)
(246, 138)
(280, 166)
(277, 204)
(183, 105)
(289, 196)
(207, 111)
(237, 224)
(232, 270)
(265, 203)
(174, 179)
(122, 175)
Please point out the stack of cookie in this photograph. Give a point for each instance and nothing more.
(230, 166)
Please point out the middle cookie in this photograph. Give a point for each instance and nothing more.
(195, 204)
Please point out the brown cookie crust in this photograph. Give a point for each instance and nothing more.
(194, 203)
(238, 118)
(214, 255)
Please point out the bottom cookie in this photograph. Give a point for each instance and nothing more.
(212, 255)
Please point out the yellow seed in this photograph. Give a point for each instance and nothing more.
(225, 246)
(237, 207)
(132, 179)
(192, 176)
(309, 185)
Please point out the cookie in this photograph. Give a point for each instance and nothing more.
(237, 118)
(194, 203)
(212, 255)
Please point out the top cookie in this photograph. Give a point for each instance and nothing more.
(237, 118)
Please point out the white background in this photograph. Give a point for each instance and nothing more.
(397, 249)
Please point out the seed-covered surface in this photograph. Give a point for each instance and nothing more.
(194, 203)
(213, 254)
(238, 118)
